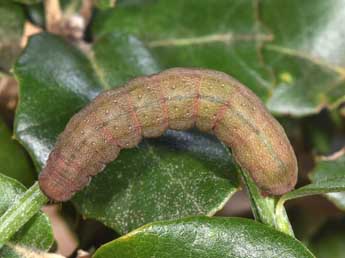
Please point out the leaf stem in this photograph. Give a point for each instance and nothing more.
(282, 220)
(20, 212)
(264, 208)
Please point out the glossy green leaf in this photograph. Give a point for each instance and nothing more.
(180, 174)
(14, 161)
(294, 69)
(219, 36)
(56, 80)
(203, 237)
(35, 234)
(306, 55)
(11, 28)
(332, 169)
(173, 177)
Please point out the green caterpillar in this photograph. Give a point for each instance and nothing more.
(179, 99)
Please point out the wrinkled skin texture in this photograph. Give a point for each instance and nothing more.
(178, 98)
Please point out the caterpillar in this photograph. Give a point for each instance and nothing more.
(177, 98)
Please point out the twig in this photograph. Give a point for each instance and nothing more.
(53, 15)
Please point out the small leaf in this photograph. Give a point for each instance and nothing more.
(14, 162)
(332, 169)
(328, 178)
(203, 237)
(35, 234)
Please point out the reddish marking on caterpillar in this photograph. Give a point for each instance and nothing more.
(163, 103)
(196, 100)
(177, 98)
(109, 137)
(136, 121)
(220, 114)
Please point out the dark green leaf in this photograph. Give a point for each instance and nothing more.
(183, 173)
(203, 237)
(294, 69)
(309, 70)
(14, 162)
(174, 177)
(56, 80)
(118, 57)
(220, 35)
(36, 233)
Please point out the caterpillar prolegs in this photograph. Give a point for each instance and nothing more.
(179, 99)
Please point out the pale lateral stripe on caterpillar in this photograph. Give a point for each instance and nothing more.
(179, 99)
